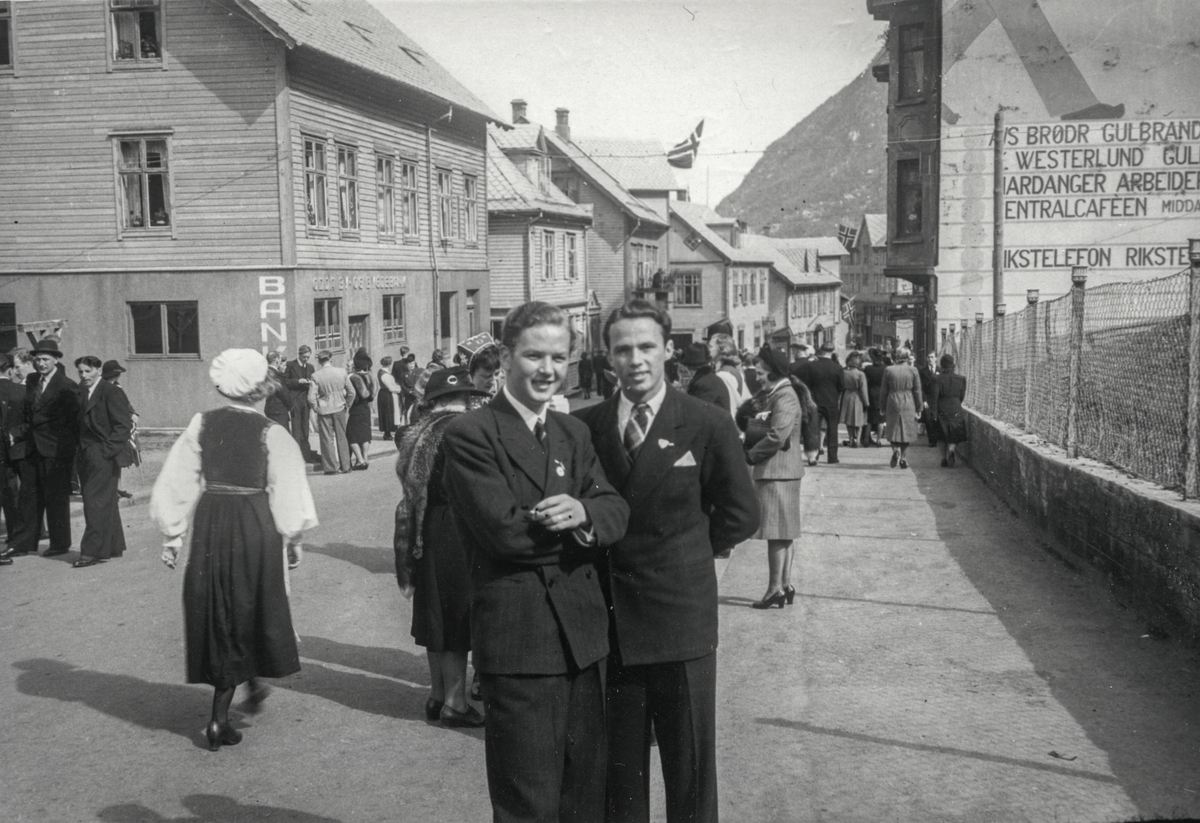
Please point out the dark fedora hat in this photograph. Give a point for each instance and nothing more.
(46, 346)
(450, 381)
(111, 369)
(694, 356)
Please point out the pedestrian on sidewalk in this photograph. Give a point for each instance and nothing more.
(873, 433)
(358, 415)
(585, 375)
(947, 418)
(278, 406)
(824, 379)
(928, 373)
(329, 394)
(111, 371)
(253, 506)
(728, 364)
(900, 395)
(432, 566)
(297, 376)
(387, 397)
(105, 428)
(854, 399)
(775, 451)
(12, 447)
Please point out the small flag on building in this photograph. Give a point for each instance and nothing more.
(682, 155)
(847, 235)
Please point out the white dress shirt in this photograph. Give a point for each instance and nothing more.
(625, 409)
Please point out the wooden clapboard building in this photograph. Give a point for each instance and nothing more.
(184, 176)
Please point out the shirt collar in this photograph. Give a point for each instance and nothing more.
(625, 405)
(92, 389)
(528, 415)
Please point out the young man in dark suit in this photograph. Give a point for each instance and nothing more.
(535, 511)
(105, 426)
(824, 380)
(680, 464)
(297, 377)
(52, 426)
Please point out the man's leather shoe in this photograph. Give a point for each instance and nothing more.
(5, 561)
(54, 552)
(84, 562)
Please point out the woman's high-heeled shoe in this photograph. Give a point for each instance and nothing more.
(221, 735)
(433, 709)
(777, 599)
(789, 594)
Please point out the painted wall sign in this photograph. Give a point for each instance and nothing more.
(272, 311)
(360, 281)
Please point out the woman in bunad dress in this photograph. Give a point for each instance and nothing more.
(245, 478)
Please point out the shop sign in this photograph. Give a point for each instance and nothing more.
(360, 281)
(272, 310)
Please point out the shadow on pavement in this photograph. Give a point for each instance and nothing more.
(374, 559)
(210, 808)
(1133, 696)
(167, 706)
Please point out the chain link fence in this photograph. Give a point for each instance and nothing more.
(1132, 354)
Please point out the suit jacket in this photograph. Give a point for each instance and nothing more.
(12, 420)
(824, 379)
(537, 606)
(767, 456)
(330, 390)
(706, 386)
(107, 418)
(292, 375)
(52, 416)
(279, 401)
(690, 497)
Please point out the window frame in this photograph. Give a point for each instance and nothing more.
(549, 255)
(123, 231)
(916, 68)
(470, 209)
(385, 197)
(319, 228)
(395, 332)
(689, 281)
(8, 16)
(572, 254)
(348, 192)
(137, 63)
(918, 185)
(445, 197)
(164, 331)
(410, 196)
(331, 341)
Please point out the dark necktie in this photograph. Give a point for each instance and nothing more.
(635, 429)
(539, 431)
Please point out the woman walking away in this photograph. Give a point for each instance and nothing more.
(772, 422)
(431, 563)
(900, 396)
(946, 411)
(854, 398)
(873, 372)
(249, 478)
(358, 422)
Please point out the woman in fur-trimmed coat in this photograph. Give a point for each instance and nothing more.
(431, 562)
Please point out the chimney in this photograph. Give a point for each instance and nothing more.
(518, 110)
(563, 126)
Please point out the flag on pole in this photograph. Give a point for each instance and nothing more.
(847, 235)
(682, 155)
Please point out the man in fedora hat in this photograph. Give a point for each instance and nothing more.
(52, 424)
(704, 385)
(824, 380)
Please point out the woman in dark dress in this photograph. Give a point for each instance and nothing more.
(875, 416)
(946, 412)
(431, 563)
(254, 500)
(358, 421)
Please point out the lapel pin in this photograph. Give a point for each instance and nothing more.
(559, 469)
(663, 443)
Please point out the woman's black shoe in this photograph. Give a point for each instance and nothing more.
(904, 464)
(895, 459)
(789, 594)
(777, 599)
(466, 719)
(433, 709)
(221, 735)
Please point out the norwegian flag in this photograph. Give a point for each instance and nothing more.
(847, 235)
(682, 155)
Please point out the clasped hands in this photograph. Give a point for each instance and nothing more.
(559, 513)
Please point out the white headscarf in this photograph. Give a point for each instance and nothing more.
(237, 372)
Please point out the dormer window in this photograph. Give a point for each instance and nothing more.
(137, 32)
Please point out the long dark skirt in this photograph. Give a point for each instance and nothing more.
(441, 619)
(235, 607)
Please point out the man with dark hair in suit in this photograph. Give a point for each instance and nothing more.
(824, 380)
(12, 419)
(534, 510)
(298, 377)
(105, 426)
(680, 464)
(52, 426)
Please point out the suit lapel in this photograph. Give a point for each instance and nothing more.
(658, 452)
(610, 445)
(89, 402)
(558, 455)
(519, 441)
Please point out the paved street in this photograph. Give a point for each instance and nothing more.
(940, 664)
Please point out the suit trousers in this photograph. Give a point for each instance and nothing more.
(103, 534)
(335, 448)
(680, 698)
(299, 425)
(832, 416)
(45, 491)
(544, 744)
(10, 489)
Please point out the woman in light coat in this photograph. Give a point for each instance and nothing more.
(854, 398)
(900, 396)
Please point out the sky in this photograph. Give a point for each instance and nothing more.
(653, 68)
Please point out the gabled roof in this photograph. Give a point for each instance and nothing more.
(694, 216)
(876, 228)
(825, 246)
(522, 137)
(355, 32)
(509, 190)
(797, 264)
(600, 177)
(638, 165)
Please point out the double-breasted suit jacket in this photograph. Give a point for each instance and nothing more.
(52, 415)
(690, 497)
(537, 606)
(50, 433)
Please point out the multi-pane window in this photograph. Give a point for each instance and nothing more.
(393, 317)
(165, 328)
(385, 196)
(471, 210)
(6, 35)
(136, 31)
(687, 288)
(572, 256)
(408, 198)
(912, 62)
(347, 169)
(753, 287)
(327, 323)
(445, 204)
(908, 197)
(549, 256)
(314, 184)
(144, 182)
(762, 287)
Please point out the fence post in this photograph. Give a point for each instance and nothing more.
(977, 358)
(997, 355)
(1191, 476)
(1030, 355)
(1078, 282)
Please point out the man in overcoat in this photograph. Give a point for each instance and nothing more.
(824, 380)
(12, 421)
(680, 465)
(297, 377)
(105, 426)
(51, 429)
(535, 510)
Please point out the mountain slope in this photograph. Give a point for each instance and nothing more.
(829, 166)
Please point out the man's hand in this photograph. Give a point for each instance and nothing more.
(560, 513)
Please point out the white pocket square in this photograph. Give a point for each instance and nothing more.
(686, 460)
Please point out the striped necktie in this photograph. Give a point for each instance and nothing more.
(539, 431)
(635, 429)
